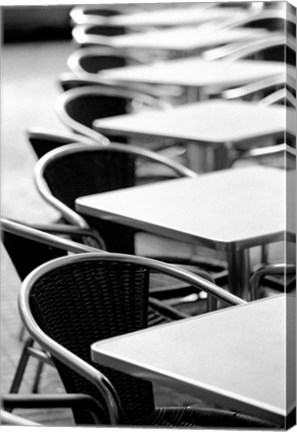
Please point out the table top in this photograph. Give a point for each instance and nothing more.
(228, 209)
(198, 73)
(175, 16)
(239, 358)
(209, 122)
(186, 38)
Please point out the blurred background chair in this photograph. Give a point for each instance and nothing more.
(97, 14)
(94, 59)
(86, 309)
(86, 35)
(275, 19)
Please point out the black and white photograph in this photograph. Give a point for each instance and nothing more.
(148, 215)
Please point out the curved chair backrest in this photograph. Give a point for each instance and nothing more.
(92, 170)
(278, 48)
(44, 140)
(97, 14)
(274, 19)
(94, 59)
(79, 107)
(96, 35)
(29, 247)
(257, 88)
(69, 303)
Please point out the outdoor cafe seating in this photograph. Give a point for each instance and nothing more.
(148, 224)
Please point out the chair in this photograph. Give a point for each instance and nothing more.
(79, 107)
(97, 14)
(101, 169)
(86, 35)
(94, 59)
(18, 238)
(278, 276)
(44, 140)
(69, 303)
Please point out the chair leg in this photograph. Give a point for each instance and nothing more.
(21, 367)
(37, 377)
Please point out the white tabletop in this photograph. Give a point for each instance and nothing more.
(198, 73)
(242, 357)
(176, 16)
(186, 38)
(228, 209)
(209, 122)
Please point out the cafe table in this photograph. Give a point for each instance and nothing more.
(195, 75)
(242, 357)
(229, 210)
(209, 129)
(183, 41)
(176, 17)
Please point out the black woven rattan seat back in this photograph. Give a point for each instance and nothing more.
(87, 108)
(84, 173)
(88, 301)
(94, 64)
(28, 254)
(105, 30)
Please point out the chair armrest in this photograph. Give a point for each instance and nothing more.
(167, 310)
(73, 231)
(78, 400)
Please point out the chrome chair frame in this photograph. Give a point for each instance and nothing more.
(253, 88)
(105, 90)
(71, 216)
(62, 138)
(236, 51)
(44, 234)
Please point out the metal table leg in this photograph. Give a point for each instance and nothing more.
(239, 272)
